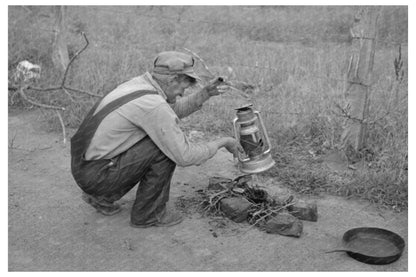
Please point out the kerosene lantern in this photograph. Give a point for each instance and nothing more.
(249, 130)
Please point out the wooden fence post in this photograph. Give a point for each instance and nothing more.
(359, 77)
(60, 57)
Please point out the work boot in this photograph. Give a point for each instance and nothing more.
(102, 206)
(166, 219)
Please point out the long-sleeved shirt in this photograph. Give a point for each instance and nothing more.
(152, 116)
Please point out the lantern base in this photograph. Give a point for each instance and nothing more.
(257, 165)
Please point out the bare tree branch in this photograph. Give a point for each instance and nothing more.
(21, 92)
(345, 113)
(81, 91)
(73, 58)
(69, 95)
(63, 86)
(23, 87)
(44, 89)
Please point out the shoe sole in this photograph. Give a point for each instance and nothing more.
(157, 224)
(90, 200)
(109, 213)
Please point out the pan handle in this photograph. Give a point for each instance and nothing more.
(338, 250)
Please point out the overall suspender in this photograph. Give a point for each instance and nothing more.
(82, 138)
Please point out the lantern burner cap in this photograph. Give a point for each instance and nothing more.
(245, 107)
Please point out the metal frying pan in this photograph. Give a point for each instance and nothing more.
(372, 245)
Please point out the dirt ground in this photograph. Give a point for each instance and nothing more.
(51, 229)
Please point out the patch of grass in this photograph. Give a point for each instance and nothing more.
(381, 188)
(305, 172)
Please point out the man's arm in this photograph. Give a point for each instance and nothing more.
(191, 103)
(161, 126)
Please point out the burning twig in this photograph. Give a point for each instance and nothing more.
(211, 205)
(264, 217)
(269, 210)
(211, 198)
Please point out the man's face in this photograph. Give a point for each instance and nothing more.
(177, 88)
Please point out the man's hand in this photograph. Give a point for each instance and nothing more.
(232, 145)
(217, 86)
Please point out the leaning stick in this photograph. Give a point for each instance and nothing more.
(56, 108)
(73, 58)
(62, 125)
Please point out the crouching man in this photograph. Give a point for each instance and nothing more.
(132, 136)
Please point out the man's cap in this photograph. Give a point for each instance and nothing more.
(173, 63)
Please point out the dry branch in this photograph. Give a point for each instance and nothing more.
(21, 92)
(74, 57)
(82, 91)
(61, 87)
(346, 114)
(44, 89)
(69, 95)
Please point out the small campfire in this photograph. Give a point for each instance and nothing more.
(261, 206)
(243, 200)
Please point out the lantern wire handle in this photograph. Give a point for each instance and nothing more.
(264, 132)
